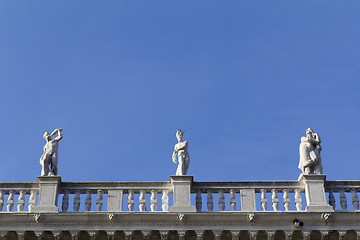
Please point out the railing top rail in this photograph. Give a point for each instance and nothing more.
(17, 186)
(125, 186)
(343, 185)
(257, 185)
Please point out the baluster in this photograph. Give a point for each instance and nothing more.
(77, 201)
(331, 199)
(165, 201)
(131, 201)
(142, 201)
(355, 199)
(286, 200)
(10, 201)
(153, 201)
(343, 202)
(210, 201)
(21, 201)
(221, 200)
(65, 201)
(298, 200)
(88, 200)
(232, 200)
(1, 200)
(99, 200)
(275, 200)
(32, 200)
(198, 201)
(263, 199)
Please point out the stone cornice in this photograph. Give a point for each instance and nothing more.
(217, 221)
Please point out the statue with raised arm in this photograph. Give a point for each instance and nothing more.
(49, 159)
(181, 151)
(310, 159)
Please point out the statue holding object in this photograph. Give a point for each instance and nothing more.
(181, 150)
(309, 149)
(49, 159)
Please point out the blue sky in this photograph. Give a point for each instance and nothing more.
(243, 79)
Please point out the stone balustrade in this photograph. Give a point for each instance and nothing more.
(343, 195)
(115, 196)
(18, 197)
(250, 196)
(154, 196)
(244, 196)
(180, 209)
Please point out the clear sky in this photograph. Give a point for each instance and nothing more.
(243, 79)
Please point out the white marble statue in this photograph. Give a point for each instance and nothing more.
(181, 150)
(309, 149)
(49, 159)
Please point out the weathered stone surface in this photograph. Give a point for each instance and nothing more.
(48, 195)
(247, 199)
(181, 191)
(315, 193)
(115, 200)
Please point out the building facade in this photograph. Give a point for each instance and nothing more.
(180, 209)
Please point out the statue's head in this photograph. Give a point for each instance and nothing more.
(179, 134)
(47, 135)
(309, 132)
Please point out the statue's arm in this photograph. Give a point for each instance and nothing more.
(315, 140)
(181, 146)
(54, 132)
(174, 157)
(59, 137)
(317, 137)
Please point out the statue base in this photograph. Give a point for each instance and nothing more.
(315, 193)
(48, 195)
(181, 194)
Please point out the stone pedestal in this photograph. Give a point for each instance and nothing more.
(48, 195)
(181, 194)
(115, 200)
(247, 199)
(315, 193)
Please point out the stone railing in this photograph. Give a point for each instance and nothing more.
(340, 191)
(254, 196)
(311, 193)
(21, 195)
(121, 196)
